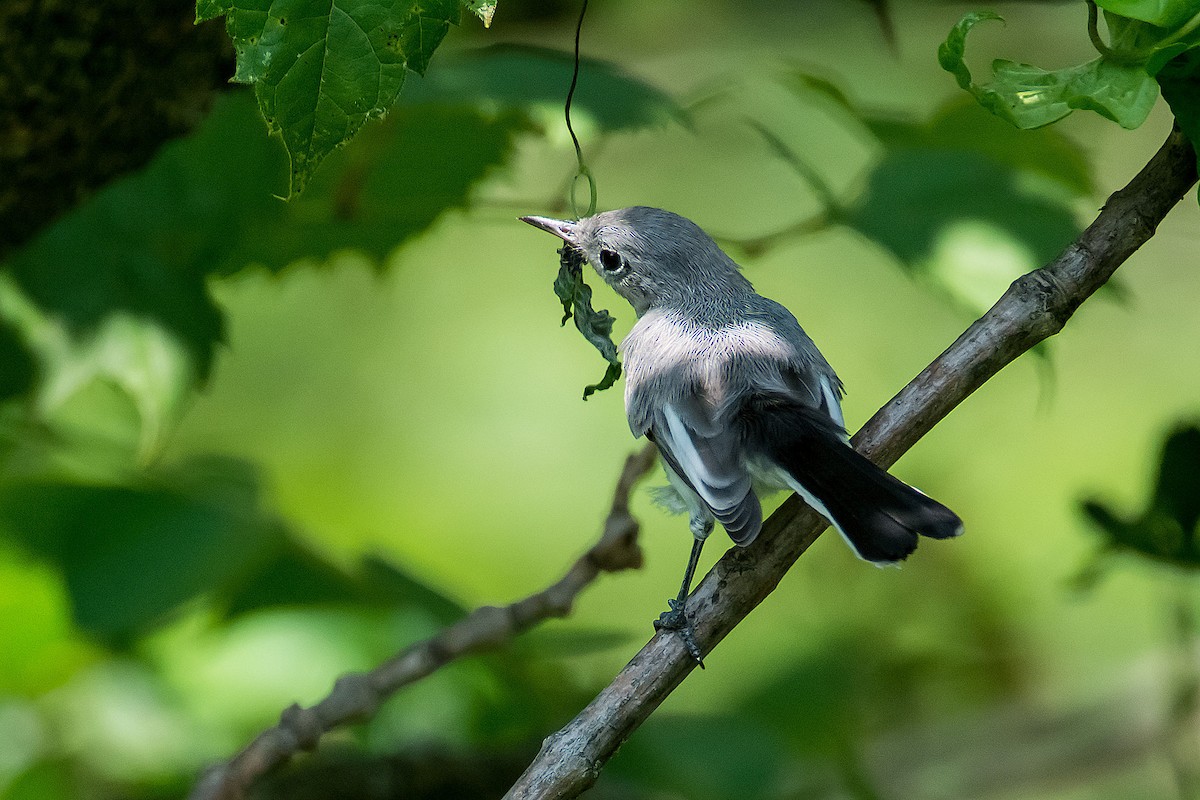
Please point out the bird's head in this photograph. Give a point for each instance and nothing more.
(651, 257)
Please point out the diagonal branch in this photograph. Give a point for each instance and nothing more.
(356, 696)
(1036, 306)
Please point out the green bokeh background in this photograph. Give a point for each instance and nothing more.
(428, 413)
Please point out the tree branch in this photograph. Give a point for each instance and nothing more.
(1036, 306)
(356, 696)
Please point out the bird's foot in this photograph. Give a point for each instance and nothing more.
(676, 620)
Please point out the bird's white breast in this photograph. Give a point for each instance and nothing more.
(663, 341)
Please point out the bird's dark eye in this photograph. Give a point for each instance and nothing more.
(610, 261)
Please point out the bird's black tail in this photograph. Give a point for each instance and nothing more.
(879, 515)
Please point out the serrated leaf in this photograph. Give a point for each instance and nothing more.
(320, 69)
(484, 9)
(596, 326)
(1030, 97)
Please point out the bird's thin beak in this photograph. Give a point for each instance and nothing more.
(559, 227)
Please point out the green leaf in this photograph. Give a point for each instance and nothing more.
(596, 326)
(1169, 529)
(1030, 97)
(801, 79)
(321, 68)
(965, 127)
(105, 295)
(562, 641)
(536, 79)
(961, 219)
(611, 375)
(18, 371)
(952, 51)
(205, 208)
(132, 555)
(1162, 13)
(748, 765)
(195, 200)
(386, 187)
(484, 9)
(297, 576)
(1180, 82)
(1177, 492)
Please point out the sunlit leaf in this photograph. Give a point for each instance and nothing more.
(484, 9)
(962, 219)
(41, 648)
(320, 69)
(1162, 13)
(1029, 97)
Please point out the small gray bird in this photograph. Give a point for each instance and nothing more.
(736, 395)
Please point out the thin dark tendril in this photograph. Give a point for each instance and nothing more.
(583, 172)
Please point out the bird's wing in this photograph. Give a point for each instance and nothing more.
(819, 389)
(801, 372)
(707, 455)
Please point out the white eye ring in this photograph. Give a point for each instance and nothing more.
(610, 261)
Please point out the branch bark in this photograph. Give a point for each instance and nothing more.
(1035, 307)
(356, 696)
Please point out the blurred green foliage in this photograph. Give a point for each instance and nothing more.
(248, 445)
(1166, 531)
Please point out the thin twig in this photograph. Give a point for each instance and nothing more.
(1035, 307)
(583, 170)
(1093, 28)
(356, 696)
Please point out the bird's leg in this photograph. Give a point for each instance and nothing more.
(676, 619)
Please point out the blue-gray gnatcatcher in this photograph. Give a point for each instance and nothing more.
(736, 395)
